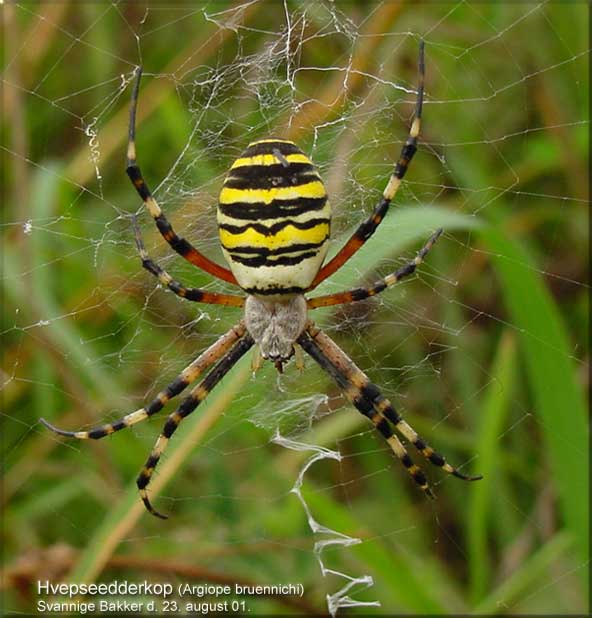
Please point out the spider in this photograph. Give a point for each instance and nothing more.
(274, 221)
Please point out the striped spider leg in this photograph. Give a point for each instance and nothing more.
(188, 405)
(368, 400)
(368, 227)
(340, 298)
(182, 246)
(223, 346)
(194, 294)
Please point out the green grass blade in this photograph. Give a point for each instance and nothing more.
(532, 570)
(493, 414)
(551, 369)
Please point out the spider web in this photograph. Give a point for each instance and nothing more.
(90, 336)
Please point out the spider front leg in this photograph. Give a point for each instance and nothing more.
(184, 379)
(368, 227)
(350, 296)
(367, 398)
(180, 245)
(197, 395)
(194, 294)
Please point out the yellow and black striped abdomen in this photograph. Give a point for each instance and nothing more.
(274, 219)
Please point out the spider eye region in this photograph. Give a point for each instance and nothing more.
(275, 326)
(274, 219)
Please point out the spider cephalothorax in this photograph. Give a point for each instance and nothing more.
(274, 222)
(275, 326)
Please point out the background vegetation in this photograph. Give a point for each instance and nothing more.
(485, 350)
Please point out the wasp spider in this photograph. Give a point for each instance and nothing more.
(274, 221)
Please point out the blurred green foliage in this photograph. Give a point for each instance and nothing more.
(485, 350)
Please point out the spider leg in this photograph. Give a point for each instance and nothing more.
(194, 294)
(180, 245)
(197, 395)
(364, 405)
(367, 398)
(368, 227)
(186, 377)
(340, 298)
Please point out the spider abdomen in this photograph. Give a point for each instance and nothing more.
(274, 219)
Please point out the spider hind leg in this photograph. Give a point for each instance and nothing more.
(366, 407)
(184, 379)
(386, 408)
(187, 407)
(368, 399)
